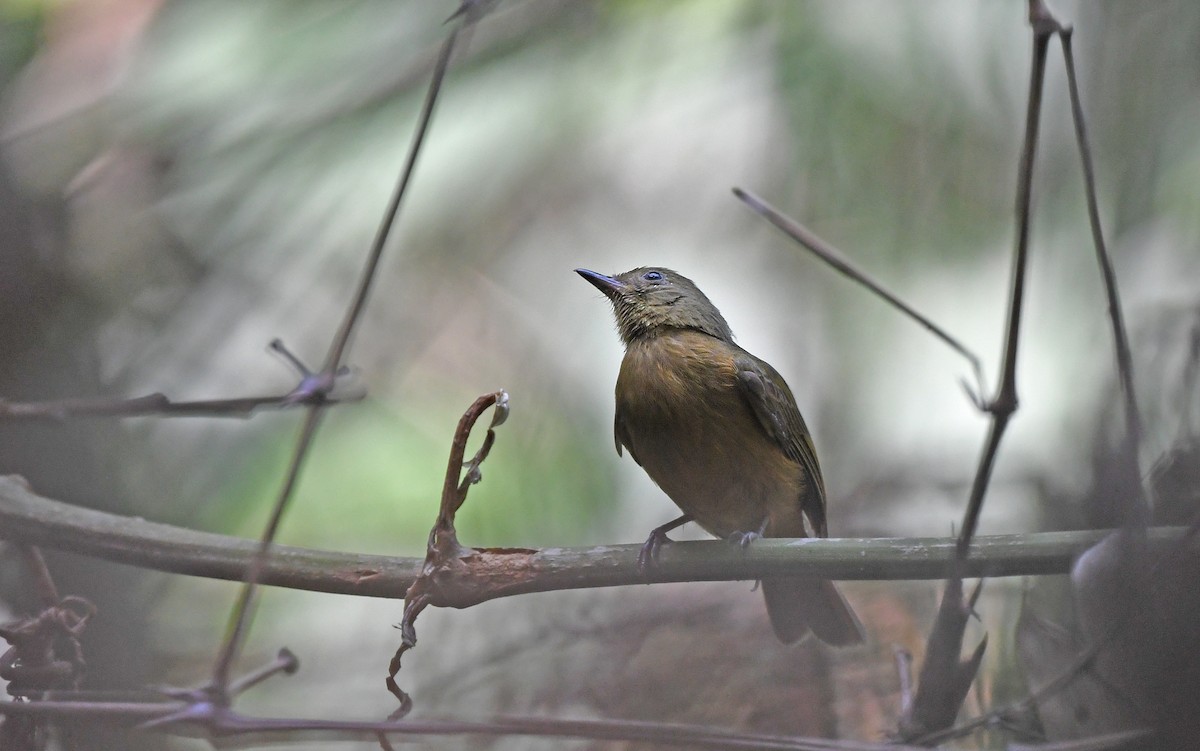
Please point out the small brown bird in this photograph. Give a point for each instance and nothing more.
(719, 431)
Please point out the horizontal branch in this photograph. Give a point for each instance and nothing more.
(498, 572)
(157, 405)
(238, 729)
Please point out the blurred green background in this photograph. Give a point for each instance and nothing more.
(184, 181)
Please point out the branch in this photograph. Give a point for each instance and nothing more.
(312, 389)
(499, 572)
(239, 619)
(843, 265)
(1004, 404)
(945, 678)
(231, 729)
(322, 382)
(1130, 449)
(153, 404)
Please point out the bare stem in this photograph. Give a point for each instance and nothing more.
(284, 662)
(1005, 402)
(244, 607)
(153, 404)
(945, 678)
(1133, 418)
(242, 610)
(840, 263)
(338, 348)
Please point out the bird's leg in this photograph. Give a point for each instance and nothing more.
(658, 536)
(742, 539)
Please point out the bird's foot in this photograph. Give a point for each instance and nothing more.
(743, 539)
(648, 555)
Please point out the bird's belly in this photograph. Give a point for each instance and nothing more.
(725, 473)
(719, 496)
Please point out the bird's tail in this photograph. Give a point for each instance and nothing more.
(798, 604)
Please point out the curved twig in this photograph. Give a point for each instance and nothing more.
(840, 263)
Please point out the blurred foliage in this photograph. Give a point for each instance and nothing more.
(374, 483)
(18, 40)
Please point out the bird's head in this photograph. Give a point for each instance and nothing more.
(650, 299)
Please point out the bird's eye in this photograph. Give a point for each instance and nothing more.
(653, 276)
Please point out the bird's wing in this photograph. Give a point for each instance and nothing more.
(621, 436)
(775, 407)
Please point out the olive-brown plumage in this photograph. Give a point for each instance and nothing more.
(719, 431)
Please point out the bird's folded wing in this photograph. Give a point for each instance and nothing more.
(775, 407)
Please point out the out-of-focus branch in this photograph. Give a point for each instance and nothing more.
(322, 381)
(1130, 476)
(945, 677)
(1005, 402)
(157, 405)
(230, 729)
(499, 572)
(28, 517)
(227, 728)
(843, 265)
(1120, 338)
(313, 388)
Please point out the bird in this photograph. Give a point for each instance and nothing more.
(718, 430)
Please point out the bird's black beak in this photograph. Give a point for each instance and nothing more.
(605, 284)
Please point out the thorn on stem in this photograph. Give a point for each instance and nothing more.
(277, 346)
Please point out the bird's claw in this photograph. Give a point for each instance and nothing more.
(648, 555)
(743, 539)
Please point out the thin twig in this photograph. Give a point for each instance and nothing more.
(153, 404)
(1005, 402)
(1045, 25)
(240, 616)
(159, 405)
(338, 348)
(1125, 740)
(1050, 688)
(1133, 419)
(1120, 338)
(839, 262)
(945, 678)
(284, 662)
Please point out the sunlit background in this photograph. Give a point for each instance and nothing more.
(182, 182)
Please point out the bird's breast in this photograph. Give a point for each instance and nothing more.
(684, 419)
